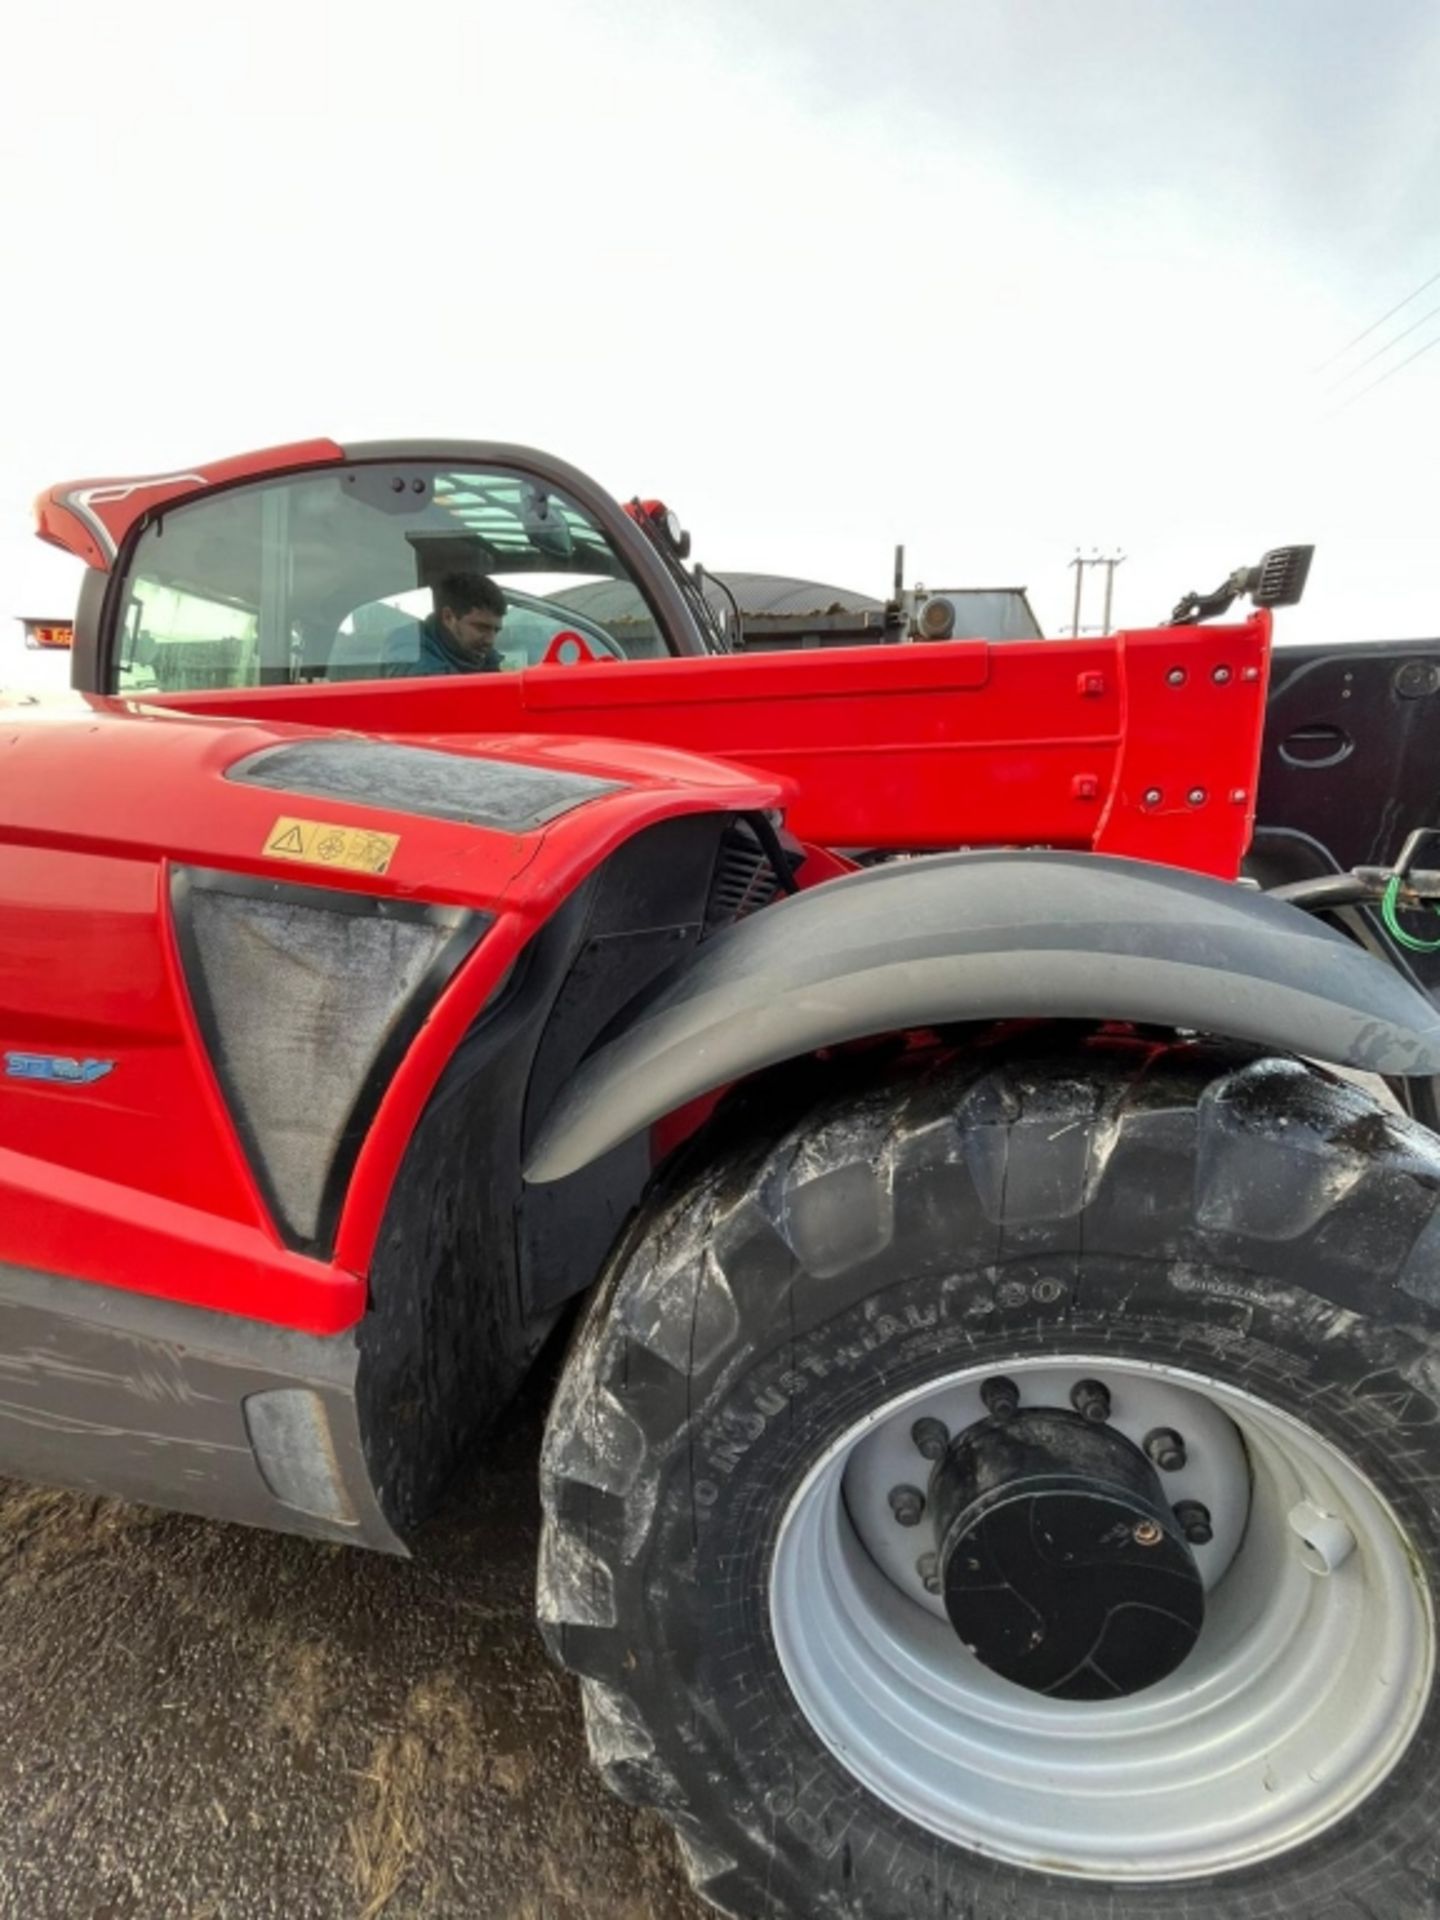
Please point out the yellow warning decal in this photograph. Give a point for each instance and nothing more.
(320, 844)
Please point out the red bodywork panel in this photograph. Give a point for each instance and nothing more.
(1145, 743)
(1059, 744)
(90, 518)
(138, 1180)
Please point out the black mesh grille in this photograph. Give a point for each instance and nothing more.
(307, 999)
(744, 879)
(426, 780)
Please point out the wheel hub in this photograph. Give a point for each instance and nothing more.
(1308, 1681)
(1061, 1564)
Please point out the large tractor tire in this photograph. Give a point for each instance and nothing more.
(1012, 1492)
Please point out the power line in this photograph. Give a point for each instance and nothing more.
(1366, 332)
(1370, 358)
(1388, 373)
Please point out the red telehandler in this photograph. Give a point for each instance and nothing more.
(976, 1105)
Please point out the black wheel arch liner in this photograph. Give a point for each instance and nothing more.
(957, 938)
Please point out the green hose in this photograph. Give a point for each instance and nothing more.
(1388, 913)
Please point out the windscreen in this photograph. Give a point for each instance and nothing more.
(372, 573)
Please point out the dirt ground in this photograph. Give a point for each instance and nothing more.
(204, 1723)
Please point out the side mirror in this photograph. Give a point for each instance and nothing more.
(1278, 581)
(1280, 578)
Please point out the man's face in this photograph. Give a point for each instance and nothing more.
(474, 633)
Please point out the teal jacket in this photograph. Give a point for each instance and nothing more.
(425, 648)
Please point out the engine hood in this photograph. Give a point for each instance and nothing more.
(454, 819)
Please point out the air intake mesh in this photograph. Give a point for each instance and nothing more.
(302, 1000)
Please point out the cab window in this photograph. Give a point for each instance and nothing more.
(355, 573)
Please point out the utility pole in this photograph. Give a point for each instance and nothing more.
(1110, 564)
(1110, 561)
(1079, 565)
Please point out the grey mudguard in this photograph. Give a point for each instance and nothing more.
(986, 936)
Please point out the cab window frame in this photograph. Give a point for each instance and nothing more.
(679, 633)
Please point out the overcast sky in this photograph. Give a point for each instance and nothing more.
(996, 278)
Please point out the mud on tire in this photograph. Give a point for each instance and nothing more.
(1248, 1219)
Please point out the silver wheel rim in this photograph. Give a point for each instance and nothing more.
(1308, 1682)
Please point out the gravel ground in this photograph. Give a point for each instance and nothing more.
(212, 1724)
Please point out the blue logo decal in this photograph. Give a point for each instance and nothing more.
(57, 1068)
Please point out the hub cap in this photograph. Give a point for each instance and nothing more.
(1061, 1564)
(1297, 1696)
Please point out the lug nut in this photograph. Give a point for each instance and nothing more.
(1091, 1401)
(1176, 676)
(931, 1436)
(1001, 1397)
(1166, 1449)
(907, 1504)
(1221, 676)
(928, 1568)
(1194, 1522)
